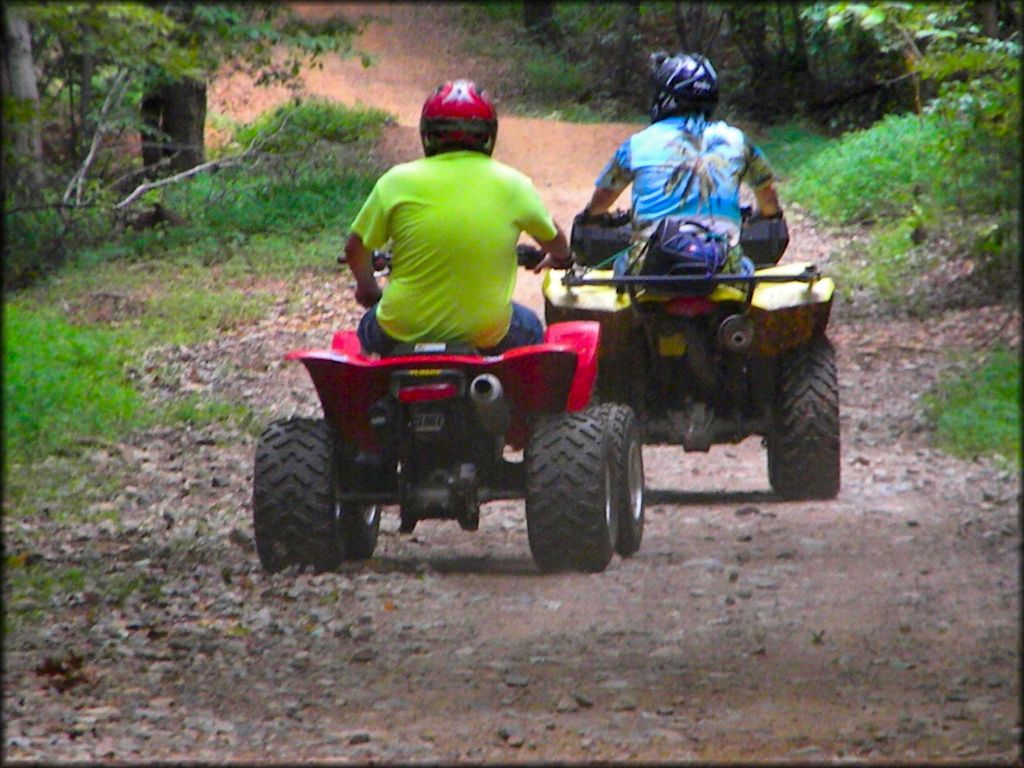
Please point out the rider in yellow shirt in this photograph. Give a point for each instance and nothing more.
(453, 220)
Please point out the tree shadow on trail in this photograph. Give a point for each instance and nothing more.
(654, 496)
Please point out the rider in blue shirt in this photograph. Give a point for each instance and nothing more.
(684, 164)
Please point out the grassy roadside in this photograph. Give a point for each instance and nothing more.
(884, 181)
(71, 341)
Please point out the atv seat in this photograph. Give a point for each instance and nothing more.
(406, 349)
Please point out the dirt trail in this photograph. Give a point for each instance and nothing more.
(882, 625)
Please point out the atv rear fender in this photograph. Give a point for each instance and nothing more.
(785, 313)
(553, 376)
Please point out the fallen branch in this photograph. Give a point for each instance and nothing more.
(202, 167)
(144, 188)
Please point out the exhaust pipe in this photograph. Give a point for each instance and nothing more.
(488, 397)
(736, 333)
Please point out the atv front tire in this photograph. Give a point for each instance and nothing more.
(358, 527)
(571, 520)
(295, 518)
(803, 447)
(623, 429)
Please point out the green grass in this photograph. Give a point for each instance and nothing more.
(61, 382)
(789, 148)
(978, 413)
(68, 352)
(32, 589)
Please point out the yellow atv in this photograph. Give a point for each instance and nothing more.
(705, 356)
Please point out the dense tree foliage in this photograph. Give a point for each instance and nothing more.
(81, 79)
(102, 97)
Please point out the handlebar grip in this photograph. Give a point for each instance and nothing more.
(528, 256)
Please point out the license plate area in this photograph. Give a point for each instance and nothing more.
(428, 421)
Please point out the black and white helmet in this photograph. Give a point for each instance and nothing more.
(683, 83)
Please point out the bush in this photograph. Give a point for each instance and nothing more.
(883, 171)
(296, 127)
(549, 77)
(978, 413)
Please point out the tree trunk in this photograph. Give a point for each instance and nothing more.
(625, 70)
(184, 122)
(989, 18)
(539, 18)
(21, 81)
(153, 140)
(85, 99)
(175, 115)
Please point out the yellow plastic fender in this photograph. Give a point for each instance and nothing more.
(784, 315)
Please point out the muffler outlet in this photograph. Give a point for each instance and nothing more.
(736, 333)
(488, 398)
(486, 388)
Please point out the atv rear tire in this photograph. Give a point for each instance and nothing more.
(571, 521)
(623, 429)
(803, 447)
(294, 511)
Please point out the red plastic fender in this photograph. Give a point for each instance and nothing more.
(555, 375)
(584, 336)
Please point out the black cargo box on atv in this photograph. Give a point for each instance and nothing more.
(596, 244)
(764, 240)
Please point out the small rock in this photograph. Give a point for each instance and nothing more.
(623, 704)
(707, 563)
(665, 711)
(582, 700)
(748, 510)
(359, 738)
(239, 537)
(517, 681)
(566, 704)
(364, 655)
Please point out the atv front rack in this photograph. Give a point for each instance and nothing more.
(573, 279)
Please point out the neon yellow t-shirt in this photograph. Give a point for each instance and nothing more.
(454, 220)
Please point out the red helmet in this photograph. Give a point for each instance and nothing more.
(458, 116)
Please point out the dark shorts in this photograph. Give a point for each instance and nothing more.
(525, 328)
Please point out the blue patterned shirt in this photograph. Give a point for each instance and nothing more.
(685, 166)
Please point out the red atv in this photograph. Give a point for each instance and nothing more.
(426, 429)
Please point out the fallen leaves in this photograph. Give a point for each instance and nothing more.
(65, 673)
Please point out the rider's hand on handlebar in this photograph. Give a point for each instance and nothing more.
(549, 262)
(537, 260)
